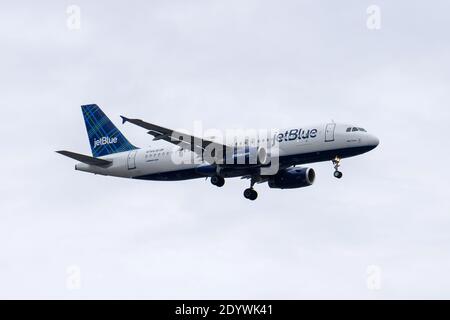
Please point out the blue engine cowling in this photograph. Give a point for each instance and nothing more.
(292, 178)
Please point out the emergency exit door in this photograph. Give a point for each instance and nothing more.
(132, 160)
(329, 132)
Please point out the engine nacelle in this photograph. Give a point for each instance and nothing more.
(264, 156)
(249, 156)
(292, 178)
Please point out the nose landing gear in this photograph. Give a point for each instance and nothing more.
(336, 163)
(338, 174)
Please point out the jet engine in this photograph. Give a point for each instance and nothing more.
(292, 178)
(249, 156)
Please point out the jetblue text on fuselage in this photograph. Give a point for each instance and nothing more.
(104, 140)
(296, 134)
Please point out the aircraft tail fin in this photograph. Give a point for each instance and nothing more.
(104, 137)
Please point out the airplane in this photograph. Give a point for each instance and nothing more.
(248, 158)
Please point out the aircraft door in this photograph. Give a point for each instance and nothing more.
(132, 160)
(329, 132)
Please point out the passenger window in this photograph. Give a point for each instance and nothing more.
(355, 129)
(349, 129)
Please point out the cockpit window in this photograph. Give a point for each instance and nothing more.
(353, 129)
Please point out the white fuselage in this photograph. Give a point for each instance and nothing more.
(296, 146)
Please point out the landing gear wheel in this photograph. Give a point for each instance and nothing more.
(250, 194)
(217, 181)
(338, 174)
(336, 163)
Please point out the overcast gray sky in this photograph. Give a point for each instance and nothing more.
(229, 64)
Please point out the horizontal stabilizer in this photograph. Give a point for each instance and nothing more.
(86, 159)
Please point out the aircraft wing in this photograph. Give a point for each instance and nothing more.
(183, 140)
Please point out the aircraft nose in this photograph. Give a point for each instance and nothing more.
(373, 141)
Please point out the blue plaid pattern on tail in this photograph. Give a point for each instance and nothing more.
(103, 135)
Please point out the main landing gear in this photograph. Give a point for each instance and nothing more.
(336, 163)
(218, 181)
(251, 193)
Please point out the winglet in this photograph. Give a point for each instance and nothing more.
(124, 119)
